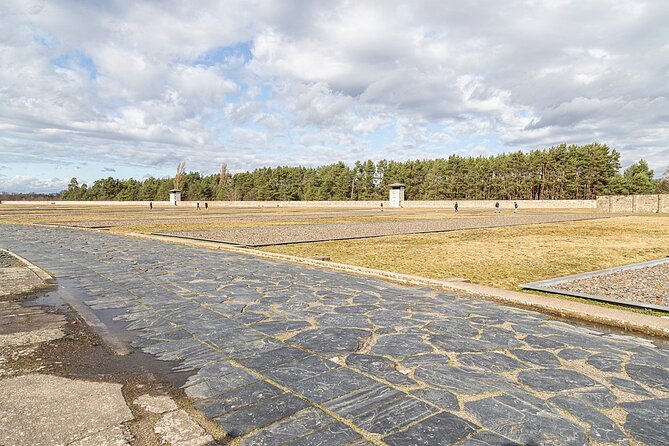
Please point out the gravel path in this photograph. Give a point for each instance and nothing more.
(275, 235)
(648, 285)
(202, 217)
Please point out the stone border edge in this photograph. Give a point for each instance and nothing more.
(612, 317)
(546, 286)
(39, 272)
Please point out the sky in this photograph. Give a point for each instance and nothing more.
(92, 89)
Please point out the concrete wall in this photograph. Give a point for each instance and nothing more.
(447, 204)
(633, 203)
(504, 204)
(664, 203)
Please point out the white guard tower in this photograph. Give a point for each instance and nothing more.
(396, 195)
(175, 196)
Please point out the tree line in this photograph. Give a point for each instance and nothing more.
(560, 172)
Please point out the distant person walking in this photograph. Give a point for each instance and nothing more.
(150, 204)
(206, 205)
(381, 207)
(456, 206)
(515, 206)
(497, 207)
(197, 205)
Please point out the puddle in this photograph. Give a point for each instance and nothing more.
(103, 362)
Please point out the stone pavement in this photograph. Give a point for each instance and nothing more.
(284, 354)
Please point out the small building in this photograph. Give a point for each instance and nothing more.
(396, 195)
(175, 196)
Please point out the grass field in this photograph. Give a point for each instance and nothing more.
(505, 257)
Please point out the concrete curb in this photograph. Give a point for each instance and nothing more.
(39, 272)
(626, 320)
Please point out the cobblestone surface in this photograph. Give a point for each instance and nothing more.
(280, 353)
(648, 285)
(273, 235)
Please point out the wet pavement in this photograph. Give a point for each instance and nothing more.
(281, 353)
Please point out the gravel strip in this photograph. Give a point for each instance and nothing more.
(275, 235)
(649, 285)
(92, 224)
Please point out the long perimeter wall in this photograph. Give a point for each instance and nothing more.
(464, 204)
(634, 203)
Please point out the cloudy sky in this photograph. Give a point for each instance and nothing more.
(128, 88)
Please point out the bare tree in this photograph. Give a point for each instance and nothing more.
(223, 175)
(664, 182)
(180, 177)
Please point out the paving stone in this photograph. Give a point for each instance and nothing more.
(654, 358)
(541, 358)
(501, 337)
(606, 362)
(330, 341)
(462, 379)
(491, 361)
(236, 399)
(459, 327)
(597, 396)
(394, 415)
(220, 384)
(648, 420)
(273, 358)
(244, 349)
(290, 428)
(379, 366)
(400, 346)
(602, 428)
(364, 400)
(554, 380)
(543, 342)
(571, 354)
(212, 370)
(277, 327)
(260, 415)
(487, 438)
(335, 434)
(294, 372)
(526, 420)
(654, 377)
(629, 386)
(442, 428)
(332, 384)
(453, 343)
(426, 359)
(439, 397)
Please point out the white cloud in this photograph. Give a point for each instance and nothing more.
(149, 83)
(22, 183)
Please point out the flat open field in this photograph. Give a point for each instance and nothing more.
(503, 257)
(508, 256)
(289, 234)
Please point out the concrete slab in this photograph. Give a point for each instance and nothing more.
(69, 410)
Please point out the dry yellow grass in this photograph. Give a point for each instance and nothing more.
(505, 257)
